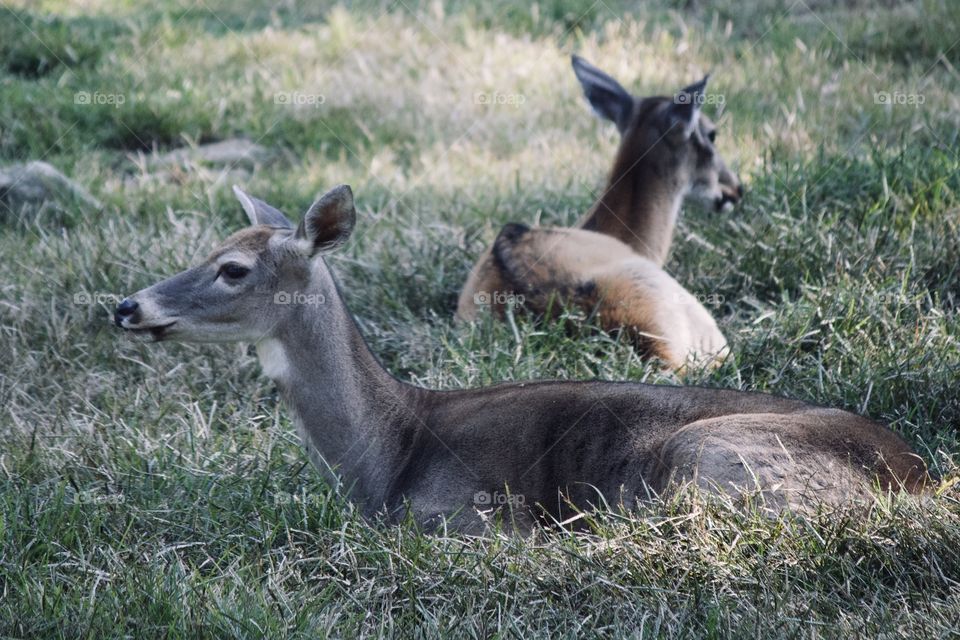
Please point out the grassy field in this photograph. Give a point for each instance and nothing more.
(160, 490)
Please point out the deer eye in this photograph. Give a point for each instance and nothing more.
(234, 271)
(712, 136)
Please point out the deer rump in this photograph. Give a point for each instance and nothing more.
(545, 270)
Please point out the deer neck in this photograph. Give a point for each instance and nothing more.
(639, 206)
(351, 413)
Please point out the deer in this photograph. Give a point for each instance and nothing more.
(611, 261)
(516, 455)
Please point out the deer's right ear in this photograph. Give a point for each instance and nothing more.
(328, 222)
(608, 99)
(260, 212)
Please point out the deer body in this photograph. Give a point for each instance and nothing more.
(626, 290)
(547, 446)
(666, 154)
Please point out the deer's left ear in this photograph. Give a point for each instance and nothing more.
(608, 99)
(329, 221)
(685, 110)
(260, 212)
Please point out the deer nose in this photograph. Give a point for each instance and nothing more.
(125, 309)
(729, 197)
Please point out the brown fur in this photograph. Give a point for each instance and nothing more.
(645, 175)
(785, 465)
(554, 268)
(252, 239)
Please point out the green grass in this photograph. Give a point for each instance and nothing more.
(161, 491)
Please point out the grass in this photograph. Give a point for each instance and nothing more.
(161, 491)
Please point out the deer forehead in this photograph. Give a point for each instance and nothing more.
(651, 108)
(243, 246)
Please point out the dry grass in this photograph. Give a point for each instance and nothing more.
(161, 491)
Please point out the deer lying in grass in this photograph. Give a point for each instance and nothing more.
(544, 448)
(611, 262)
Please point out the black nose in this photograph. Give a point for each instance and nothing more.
(740, 190)
(125, 309)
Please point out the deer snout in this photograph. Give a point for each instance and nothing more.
(730, 195)
(124, 311)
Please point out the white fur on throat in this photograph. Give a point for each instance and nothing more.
(273, 359)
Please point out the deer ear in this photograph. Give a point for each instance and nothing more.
(260, 212)
(329, 221)
(608, 99)
(685, 110)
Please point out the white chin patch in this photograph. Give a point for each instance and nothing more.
(273, 359)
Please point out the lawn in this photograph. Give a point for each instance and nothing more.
(161, 491)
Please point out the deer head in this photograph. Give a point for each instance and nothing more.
(243, 290)
(670, 134)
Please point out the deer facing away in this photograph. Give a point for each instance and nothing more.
(611, 261)
(395, 448)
